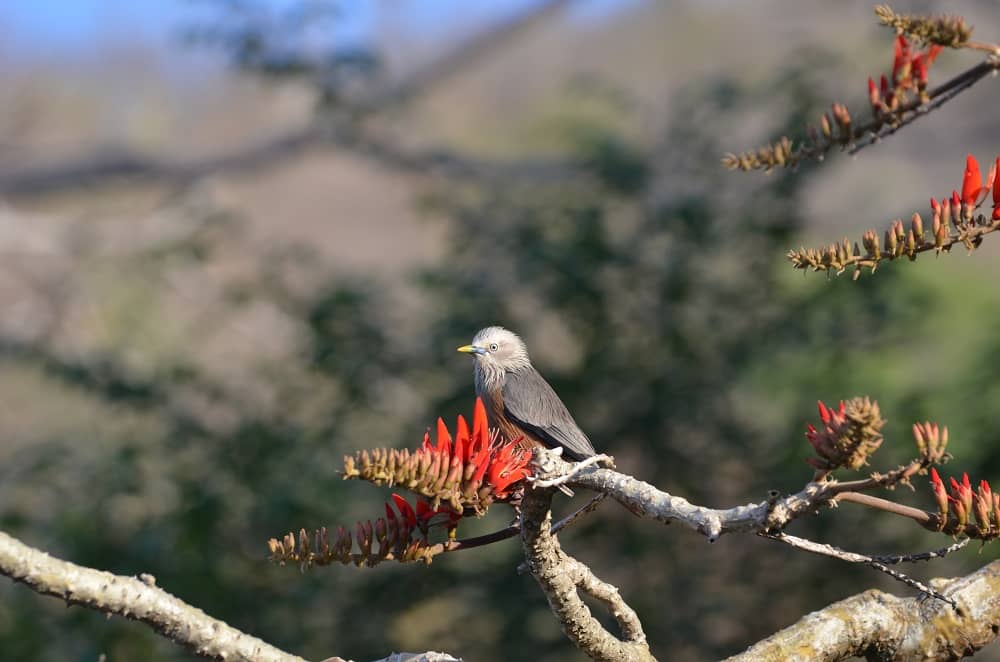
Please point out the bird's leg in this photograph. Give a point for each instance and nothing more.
(514, 501)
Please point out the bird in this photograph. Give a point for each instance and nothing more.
(518, 400)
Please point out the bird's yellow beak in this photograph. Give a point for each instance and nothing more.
(471, 349)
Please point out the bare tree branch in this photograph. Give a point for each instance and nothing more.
(773, 514)
(136, 598)
(853, 139)
(853, 557)
(885, 627)
(562, 578)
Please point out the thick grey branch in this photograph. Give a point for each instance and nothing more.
(767, 516)
(646, 500)
(885, 627)
(135, 599)
(562, 577)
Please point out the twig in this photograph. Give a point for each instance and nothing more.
(586, 509)
(888, 480)
(923, 556)
(853, 557)
(922, 517)
(853, 139)
(909, 113)
(515, 528)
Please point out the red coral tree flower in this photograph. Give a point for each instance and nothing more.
(996, 190)
(483, 454)
(469, 471)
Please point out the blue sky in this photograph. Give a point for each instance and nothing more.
(59, 28)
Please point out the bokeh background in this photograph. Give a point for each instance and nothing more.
(241, 238)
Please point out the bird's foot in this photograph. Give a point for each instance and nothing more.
(575, 468)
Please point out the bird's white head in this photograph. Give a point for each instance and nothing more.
(497, 351)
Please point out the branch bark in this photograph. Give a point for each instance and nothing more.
(884, 627)
(773, 514)
(138, 599)
(562, 578)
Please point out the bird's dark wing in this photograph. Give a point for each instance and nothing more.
(530, 402)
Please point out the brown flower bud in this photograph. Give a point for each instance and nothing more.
(917, 225)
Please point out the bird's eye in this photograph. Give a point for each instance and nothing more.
(494, 347)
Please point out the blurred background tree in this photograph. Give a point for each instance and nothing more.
(243, 238)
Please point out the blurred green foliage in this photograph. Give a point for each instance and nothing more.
(650, 286)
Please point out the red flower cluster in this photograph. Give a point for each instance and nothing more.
(472, 470)
(451, 477)
(479, 455)
(848, 435)
(909, 72)
(975, 189)
(419, 518)
(964, 502)
(832, 418)
(958, 210)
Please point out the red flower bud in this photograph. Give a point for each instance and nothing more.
(917, 225)
(443, 439)
(972, 182)
(824, 413)
(932, 54)
(940, 494)
(919, 68)
(956, 208)
(900, 59)
(996, 191)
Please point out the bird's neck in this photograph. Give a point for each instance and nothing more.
(489, 378)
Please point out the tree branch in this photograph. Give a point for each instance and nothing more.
(874, 562)
(645, 500)
(562, 578)
(855, 138)
(137, 599)
(885, 627)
